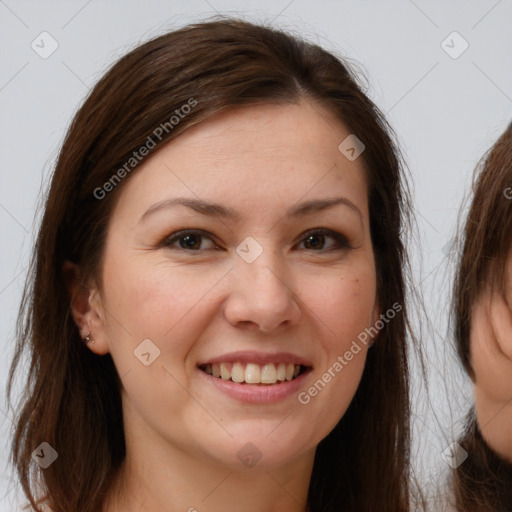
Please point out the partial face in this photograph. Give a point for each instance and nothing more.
(247, 303)
(491, 358)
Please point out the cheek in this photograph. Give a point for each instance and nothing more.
(327, 397)
(153, 300)
(346, 307)
(166, 304)
(493, 371)
(350, 310)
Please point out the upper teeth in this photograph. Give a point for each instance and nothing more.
(253, 373)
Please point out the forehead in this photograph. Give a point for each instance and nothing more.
(292, 132)
(253, 157)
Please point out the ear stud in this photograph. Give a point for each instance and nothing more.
(87, 339)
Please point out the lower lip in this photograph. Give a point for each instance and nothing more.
(257, 393)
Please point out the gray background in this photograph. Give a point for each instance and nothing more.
(447, 112)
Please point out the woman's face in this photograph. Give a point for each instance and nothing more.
(253, 293)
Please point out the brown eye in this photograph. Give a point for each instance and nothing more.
(316, 240)
(189, 240)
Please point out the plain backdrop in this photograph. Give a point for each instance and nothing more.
(448, 96)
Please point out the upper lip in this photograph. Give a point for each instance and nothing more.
(258, 358)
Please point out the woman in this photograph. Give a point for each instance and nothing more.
(483, 327)
(221, 244)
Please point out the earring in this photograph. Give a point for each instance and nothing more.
(87, 339)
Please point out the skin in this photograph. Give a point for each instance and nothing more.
(491, 354)
(182, 433)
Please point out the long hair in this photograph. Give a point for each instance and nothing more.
(484, 481)
(71, 399)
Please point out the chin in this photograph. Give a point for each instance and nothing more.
(264, 450)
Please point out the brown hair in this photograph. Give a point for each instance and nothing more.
(72, 398)
(484, 481)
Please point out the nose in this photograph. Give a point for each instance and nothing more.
(262, 296)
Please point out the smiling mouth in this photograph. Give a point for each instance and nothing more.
(252, 373)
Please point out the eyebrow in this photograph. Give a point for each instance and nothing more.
(219, 211)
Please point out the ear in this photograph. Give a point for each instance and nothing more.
(86, 308)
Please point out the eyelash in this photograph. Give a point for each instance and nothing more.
(339, 238)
